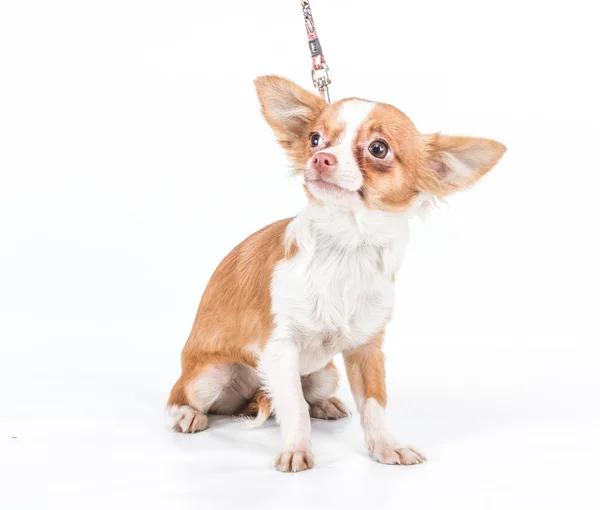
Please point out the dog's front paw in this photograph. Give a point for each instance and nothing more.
(392, 453)
(291, 462)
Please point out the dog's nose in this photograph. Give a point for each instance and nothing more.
(324, 162)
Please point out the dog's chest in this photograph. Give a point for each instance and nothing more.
(332, 299)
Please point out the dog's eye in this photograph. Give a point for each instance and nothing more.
(315, 139)
(379, 149)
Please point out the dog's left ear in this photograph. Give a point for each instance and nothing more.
(453, 163)
(288, 108)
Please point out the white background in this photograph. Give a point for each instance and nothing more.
(133, 157)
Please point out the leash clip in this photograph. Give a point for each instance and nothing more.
(321, 79)
(321, 76)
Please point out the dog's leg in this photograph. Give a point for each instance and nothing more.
(280, 369)
(319, 390)
(366, 373)
(213, 386)
(184, 417)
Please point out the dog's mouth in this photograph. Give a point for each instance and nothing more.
(329, 187)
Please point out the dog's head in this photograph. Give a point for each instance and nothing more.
(355, 152)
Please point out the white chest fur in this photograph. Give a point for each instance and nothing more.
(337, 292)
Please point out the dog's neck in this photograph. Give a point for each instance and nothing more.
(353, 227)
(327, 228)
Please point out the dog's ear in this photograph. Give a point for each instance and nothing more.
(288, 108)
(453, 163)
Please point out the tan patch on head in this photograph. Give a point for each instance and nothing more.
(329, 124)
(389, 183)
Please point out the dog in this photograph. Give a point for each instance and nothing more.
(291, 296)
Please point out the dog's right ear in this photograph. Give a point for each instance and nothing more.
(289, 109)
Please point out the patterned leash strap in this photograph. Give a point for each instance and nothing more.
(321, 76)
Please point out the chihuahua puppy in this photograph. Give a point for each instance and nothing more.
(291, 296)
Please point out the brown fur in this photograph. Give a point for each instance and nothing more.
(290, 111)
(365, 368)
(421, 163)
(388, 183)
(234, 318)
(260, 403)
(436, 177)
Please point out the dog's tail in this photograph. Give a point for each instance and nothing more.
(257, 411)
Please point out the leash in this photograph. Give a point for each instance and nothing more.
(321, 77)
